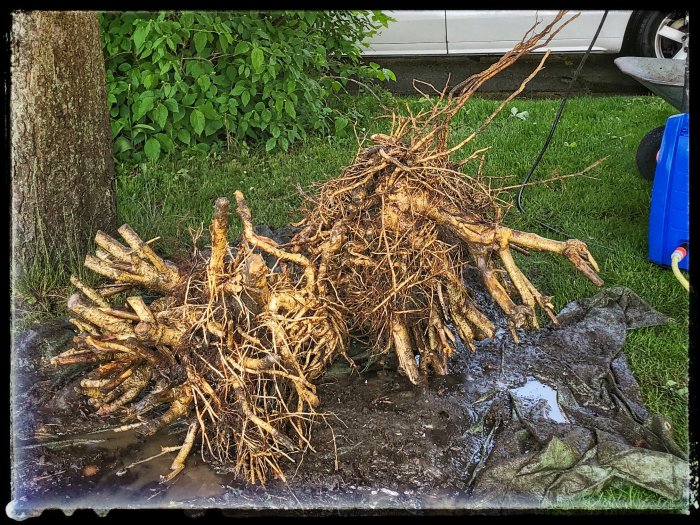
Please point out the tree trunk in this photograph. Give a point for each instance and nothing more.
(63, 182)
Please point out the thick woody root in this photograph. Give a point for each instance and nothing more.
(132, 346)
(280, 335)
(233, 347)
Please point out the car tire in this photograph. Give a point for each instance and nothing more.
(646, 153)
(643, 38)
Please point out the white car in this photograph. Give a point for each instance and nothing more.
(659, 34)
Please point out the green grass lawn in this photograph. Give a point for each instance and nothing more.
(609, 212)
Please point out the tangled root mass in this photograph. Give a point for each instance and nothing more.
(233, 346)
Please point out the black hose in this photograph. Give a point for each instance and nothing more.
(554, 127)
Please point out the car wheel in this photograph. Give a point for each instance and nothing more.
(647, 151)
(657, 34)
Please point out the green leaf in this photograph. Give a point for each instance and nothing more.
(166, 142)
(230, 73)
(222, 81)
(141, 107)
(183, 135)
(177, 117)
(204, 82)
(270, 144)
(172, 105)
(238, 89)
(147, 103)
(257, 58)
(200, 42)
(149, 80)
(117, 126)
(340, 124)
(245, 97)
(161, 115)
(212, 127)
(223, 42)
(121, 145)
(197, 68)
(289, 108)
(165, 67)
(187, 19)
(285, 143)
(209, 112)
(189, 99)
(140, 36)
(197, 120)
(152, 149)
(144, 126)
(241, 47)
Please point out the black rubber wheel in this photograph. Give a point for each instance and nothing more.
(647, 151)
(643, 39)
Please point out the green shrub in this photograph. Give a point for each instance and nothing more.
(213, 79)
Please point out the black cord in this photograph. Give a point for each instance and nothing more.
(554, 127)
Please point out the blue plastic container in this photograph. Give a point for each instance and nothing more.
(668, 218)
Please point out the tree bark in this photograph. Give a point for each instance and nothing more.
(63, 181)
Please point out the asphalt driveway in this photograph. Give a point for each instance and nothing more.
(599, 74)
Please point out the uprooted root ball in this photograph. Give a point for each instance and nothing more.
(234, 346)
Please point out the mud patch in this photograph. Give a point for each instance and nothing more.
(509, 423)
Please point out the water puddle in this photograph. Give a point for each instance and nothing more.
(535, 393)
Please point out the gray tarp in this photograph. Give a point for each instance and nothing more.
(596, 430)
